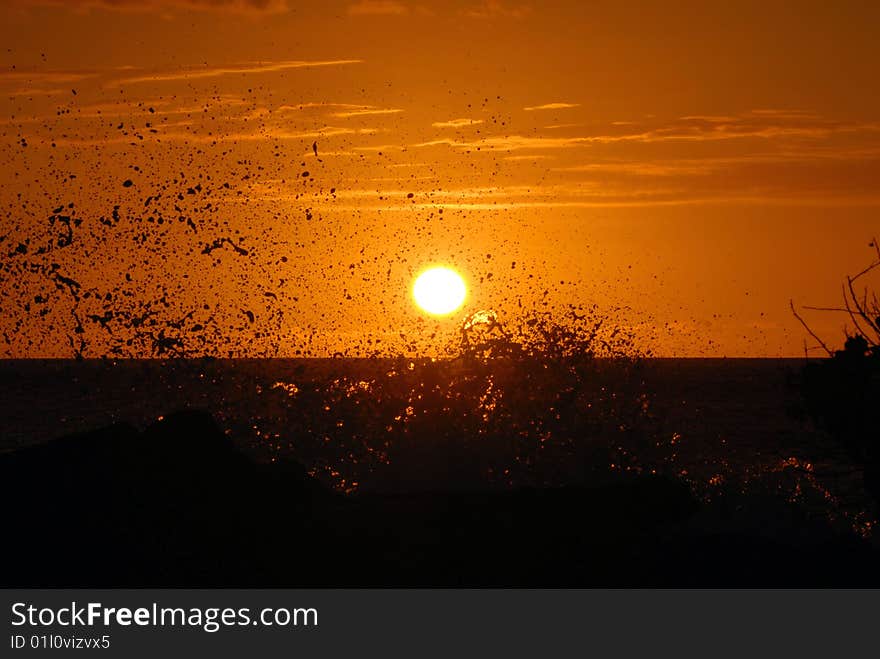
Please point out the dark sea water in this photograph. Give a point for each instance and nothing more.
(732, 428)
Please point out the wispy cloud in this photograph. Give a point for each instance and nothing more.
(510, 142)
(311, 105)
(713, 164)
(214, 72)
(532, 156)
(366, 112)
(497, 9)
(377, 8)
(621, 200)
(639, 168)
(236, 6)
(457, 123)
(552, 106)
(35, 91)
(45, 77)
(196, 136)
(23, 84)
(786, 114)
(685, 129)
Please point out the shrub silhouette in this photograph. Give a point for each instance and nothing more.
(841, 393)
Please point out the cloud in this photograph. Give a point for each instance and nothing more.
(622, 199)
(511, 142)
(552, 106)
(707, 118)
(366, 112)
(714, 164)
(311, 105)
(692, 167)
(532, 156)
(497, 9)
(44, 77)
(40, 83)
(34, 91)
(749, 126)
(236, 6)
(786, 114)
(457, 123)
(197, 137)
(214, 72)
(377, 8)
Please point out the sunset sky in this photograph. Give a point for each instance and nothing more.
(689, 169)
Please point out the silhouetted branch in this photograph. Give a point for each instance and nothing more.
(861, 310)
(809, 330)
(809, 308)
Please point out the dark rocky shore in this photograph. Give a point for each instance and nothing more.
(179, 506)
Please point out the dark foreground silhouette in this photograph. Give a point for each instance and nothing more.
(179, 506)
(840, 395)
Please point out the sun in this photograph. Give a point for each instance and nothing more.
(439, 291)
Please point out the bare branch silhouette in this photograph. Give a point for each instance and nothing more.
(809, 330)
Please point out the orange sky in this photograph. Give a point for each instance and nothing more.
(688, 170)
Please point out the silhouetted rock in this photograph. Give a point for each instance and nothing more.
(119, 506)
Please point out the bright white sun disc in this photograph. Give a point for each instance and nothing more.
(439, 291)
